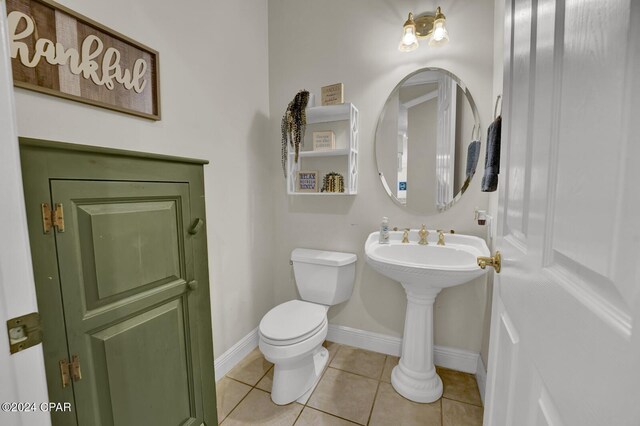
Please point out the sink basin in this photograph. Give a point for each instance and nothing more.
(423, 271)
(430, 265)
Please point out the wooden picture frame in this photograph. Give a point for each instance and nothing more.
(118, 73)
(307, 181)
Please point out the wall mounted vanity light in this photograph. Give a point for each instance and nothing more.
(424, 26)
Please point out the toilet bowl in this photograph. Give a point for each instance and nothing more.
(291, 334)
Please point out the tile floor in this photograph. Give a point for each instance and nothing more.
(355, 389)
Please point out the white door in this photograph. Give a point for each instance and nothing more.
(22, 375)
(565, 342)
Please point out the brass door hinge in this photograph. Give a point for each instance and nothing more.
(52, 217)
(64, 372)
(76, 373)
(70, 370)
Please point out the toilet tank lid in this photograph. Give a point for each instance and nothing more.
(322, 257)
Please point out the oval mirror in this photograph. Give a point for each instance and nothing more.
(427, 141)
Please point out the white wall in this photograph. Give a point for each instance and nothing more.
(214, 86)
(312, 44)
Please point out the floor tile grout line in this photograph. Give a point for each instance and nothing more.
(334, 415)
(298, 416)
(357, 374)
(375, 397)
(236, 406)
(462, 402)
(252, 388)
(383, 365)
(237, 381)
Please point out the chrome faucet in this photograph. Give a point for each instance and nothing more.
(423, 235)
(405, 236)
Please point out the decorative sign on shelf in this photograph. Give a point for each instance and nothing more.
(324, 141)
(57, 51)
(332, 94)
(307, 181)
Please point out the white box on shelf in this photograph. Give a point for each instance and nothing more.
(324, 141)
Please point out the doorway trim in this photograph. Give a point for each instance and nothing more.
(17, 286)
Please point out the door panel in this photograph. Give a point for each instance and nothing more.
(504, 353)
(545, 414)
(116, 360)
(519, 154)
(124, 266)
(143, 233)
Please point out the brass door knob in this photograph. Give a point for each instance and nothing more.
(192, 285)
(494, 261)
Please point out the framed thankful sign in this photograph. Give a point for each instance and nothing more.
(57, 51)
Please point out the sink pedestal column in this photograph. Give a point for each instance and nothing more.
(415, 375)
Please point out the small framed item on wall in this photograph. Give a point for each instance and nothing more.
(324, 141)
(307, 181)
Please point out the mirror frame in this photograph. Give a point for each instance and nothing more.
(478, 125)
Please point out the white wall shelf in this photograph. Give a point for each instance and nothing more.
(331, 153)
(343, 121)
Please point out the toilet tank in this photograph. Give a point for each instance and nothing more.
(324, 277)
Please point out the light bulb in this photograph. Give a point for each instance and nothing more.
(409, 36)
(440, 35)
(409, 39)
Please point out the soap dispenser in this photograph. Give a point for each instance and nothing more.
(384, 231)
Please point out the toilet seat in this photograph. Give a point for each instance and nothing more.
(292, 322)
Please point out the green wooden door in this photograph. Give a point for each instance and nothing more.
(126, 269)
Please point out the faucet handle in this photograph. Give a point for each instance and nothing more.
(405, 235)
(423, 235)
(440, 237)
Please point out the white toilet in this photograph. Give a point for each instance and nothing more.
(292, 333)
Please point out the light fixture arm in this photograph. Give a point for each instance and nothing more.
(424, 23)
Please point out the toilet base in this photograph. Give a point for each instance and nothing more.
(296, 381)
(321, 362)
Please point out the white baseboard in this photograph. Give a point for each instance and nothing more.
(236, 353)
(452, 358)
(368, 340)
(456, 359)
(481, 378)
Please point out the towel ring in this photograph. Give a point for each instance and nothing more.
(495, 109)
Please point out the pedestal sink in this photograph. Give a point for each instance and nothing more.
(423, 270)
